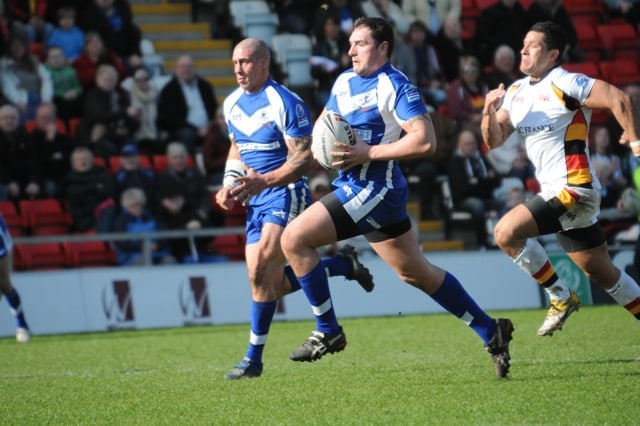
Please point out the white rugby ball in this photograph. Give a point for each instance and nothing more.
(328, 130)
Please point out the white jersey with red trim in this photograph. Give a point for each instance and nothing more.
(551, 120)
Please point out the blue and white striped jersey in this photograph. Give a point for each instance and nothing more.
(5, 239)
(376, 107)
(260, 122)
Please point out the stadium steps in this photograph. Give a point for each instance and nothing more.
(431, 232)
(168, 25)
(176, 31)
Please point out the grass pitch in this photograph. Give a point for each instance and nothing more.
(406, 370)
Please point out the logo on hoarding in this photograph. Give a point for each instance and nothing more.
(194, 301)
(117, 305)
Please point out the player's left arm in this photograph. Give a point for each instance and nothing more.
(607, 96)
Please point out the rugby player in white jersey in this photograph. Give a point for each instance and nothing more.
(270, 130)
(549, 111)
(389, 116)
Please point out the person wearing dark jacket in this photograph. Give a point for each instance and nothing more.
(113, 19)
(86, 187)
(186, 105)
(473, 181)
(133, 218)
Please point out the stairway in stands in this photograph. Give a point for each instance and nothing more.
(168, 24)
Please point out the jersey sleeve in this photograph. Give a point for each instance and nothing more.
(576, 85)
(409, 102)
(297, 118)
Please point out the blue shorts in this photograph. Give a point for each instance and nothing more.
(5, 239)
(280, 210)
(377, 211)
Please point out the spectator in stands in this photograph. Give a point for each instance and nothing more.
(85, 188)
(94, 54)
(186, 105)
(108, 122)
(388, 10)
(27, 19)
(131, 174)
(18, 158)
(451, 47)
(629, 161)
(5, 30)
(466, 94)
(144, 99)
(53, 6)
(67, 90)
(67, 36)
(473, 181)
(135, 217)
(329, 51)
(345, 11)
(554, 10)
(215, 149)
(54, 150)
(296, 16)
(627, 9)
(431, 12)
(504, 22)
(429, 77)
(504, 69)
(175, 214)
(190, 180)
(601, 151)
(113, 20)
(25, 81)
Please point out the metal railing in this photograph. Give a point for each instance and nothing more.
(146, 238)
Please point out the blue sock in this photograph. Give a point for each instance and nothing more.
(336, 265)
(455, 299)
(293, 280)
(316, 286)
(13, 299)
(261, 317)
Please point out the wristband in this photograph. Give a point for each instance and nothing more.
(634, 144)
(232, 170)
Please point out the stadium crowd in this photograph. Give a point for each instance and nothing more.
(83, 120)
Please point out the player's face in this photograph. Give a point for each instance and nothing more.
(537, 59)
(251, 72)
(365, 55)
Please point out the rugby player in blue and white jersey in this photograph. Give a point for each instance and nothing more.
(270, 130)
(549, 111)
(390, 118)
(6, 288)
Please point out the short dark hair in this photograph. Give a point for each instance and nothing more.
(554, 36)
(381, 30)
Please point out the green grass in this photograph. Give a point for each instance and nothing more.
(411, 370)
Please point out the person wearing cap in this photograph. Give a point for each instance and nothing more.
(132, 175)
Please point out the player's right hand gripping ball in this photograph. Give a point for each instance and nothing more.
(328, 130)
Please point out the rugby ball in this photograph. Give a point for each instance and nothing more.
(329, 129)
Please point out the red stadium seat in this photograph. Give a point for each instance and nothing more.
(40, 256)
(589, 41)
(588, 68)
(73, 126)
(12, 218)
(619, 41)
(231, 246)
(89, 254)
(30, 126)
(620, 72)
(45, 216)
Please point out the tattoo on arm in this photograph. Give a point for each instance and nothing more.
(299, 158)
